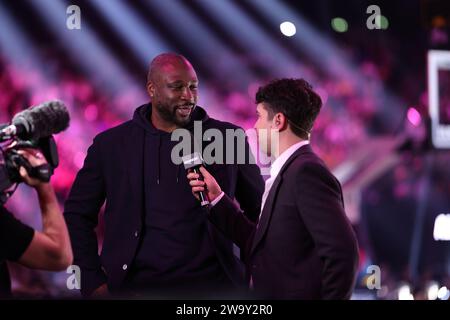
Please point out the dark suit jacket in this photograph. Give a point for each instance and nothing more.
(304, 246)
(113, 171)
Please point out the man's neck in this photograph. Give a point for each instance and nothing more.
(160, 123)
(286, 143)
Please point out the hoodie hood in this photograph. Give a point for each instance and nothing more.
(142, 117)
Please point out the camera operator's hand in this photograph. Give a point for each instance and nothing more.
(35, 158)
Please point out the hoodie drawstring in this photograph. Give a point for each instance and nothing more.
(178, 172)
(158, 160)
(142, 118)
(158, 164)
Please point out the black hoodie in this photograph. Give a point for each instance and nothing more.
(175, 252)
(155, 231)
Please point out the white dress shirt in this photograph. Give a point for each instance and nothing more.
(274, 171)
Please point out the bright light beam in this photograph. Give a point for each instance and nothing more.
(16, 47)
(276, 59)
(85, 48)
(132, 29)
(195, 34)
(327, 56)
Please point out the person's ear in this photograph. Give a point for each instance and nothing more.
(151, 89)
(279, 121)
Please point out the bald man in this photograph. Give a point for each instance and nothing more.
(158, 243)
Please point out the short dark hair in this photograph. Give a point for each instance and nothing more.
(295, 99)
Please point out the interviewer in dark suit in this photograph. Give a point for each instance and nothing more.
(303, 246)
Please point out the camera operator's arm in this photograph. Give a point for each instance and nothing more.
(49, 249)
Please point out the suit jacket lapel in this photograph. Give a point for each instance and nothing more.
(134, 151)
(266, 213)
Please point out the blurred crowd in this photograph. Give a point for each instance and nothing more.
(350, 118)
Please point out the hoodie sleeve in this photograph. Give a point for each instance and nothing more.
(81, 213)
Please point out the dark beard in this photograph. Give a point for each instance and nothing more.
(170, 115)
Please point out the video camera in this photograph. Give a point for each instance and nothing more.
(31, 128)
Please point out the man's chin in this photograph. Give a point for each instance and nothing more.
(181, 122)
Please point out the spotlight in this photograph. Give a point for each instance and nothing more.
(404, 292)
(441, 229)
(414, 116)
(443, 293)
(339, 25)
(432, 291)
(288, 28)
(384, 23)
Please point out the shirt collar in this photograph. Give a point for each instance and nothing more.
(282, 158)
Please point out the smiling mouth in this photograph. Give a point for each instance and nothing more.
(185, 111)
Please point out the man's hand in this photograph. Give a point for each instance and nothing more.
(35, 158)
(212, 187)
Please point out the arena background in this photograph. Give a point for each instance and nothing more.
(374, 130)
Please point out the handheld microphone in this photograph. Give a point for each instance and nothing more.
(193, 162)
(37, 122)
